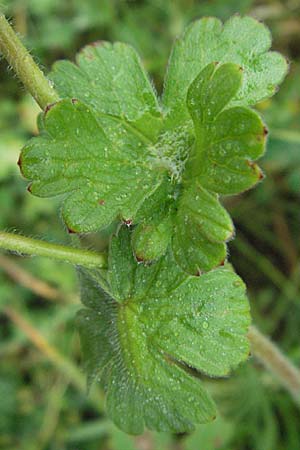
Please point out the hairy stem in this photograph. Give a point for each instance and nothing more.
(34, 247)
(24, 66)
(273, 360)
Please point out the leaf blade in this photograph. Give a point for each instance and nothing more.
(110, 79)
(241, 40)
(103, 175)
(147, 371)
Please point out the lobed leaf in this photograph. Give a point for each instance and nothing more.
(150, 335)
(110, 79)
(115, 152)
(227, 140)
(100, 166)
(201, 228)
(220, 162)
(241, 40)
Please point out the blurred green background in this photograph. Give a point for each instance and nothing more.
(43, 401)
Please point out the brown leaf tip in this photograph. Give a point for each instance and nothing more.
(139, 259)
(98, 43)
(70, 230)
(250, 163)
(127, 222)
(20, 164)
(88, 50)
(48, 107)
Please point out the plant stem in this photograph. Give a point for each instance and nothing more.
(24, 66)
(273, 360)
(34, 247)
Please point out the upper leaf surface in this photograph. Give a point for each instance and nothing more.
(110, 79)
(241, 40)
(155, 324)
(103, 168)
(116, 154)
(201, 228)
(220, 162)
(227, 140)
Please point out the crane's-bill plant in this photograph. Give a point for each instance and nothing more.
(116, 151)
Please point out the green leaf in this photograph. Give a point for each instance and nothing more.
(227, 140)
(147, 338)
(111, 80)
(201, 228)
(220, 162)
(241, 40)
(151, 241)
(152, 235)
(116, 153)
(101, 167)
